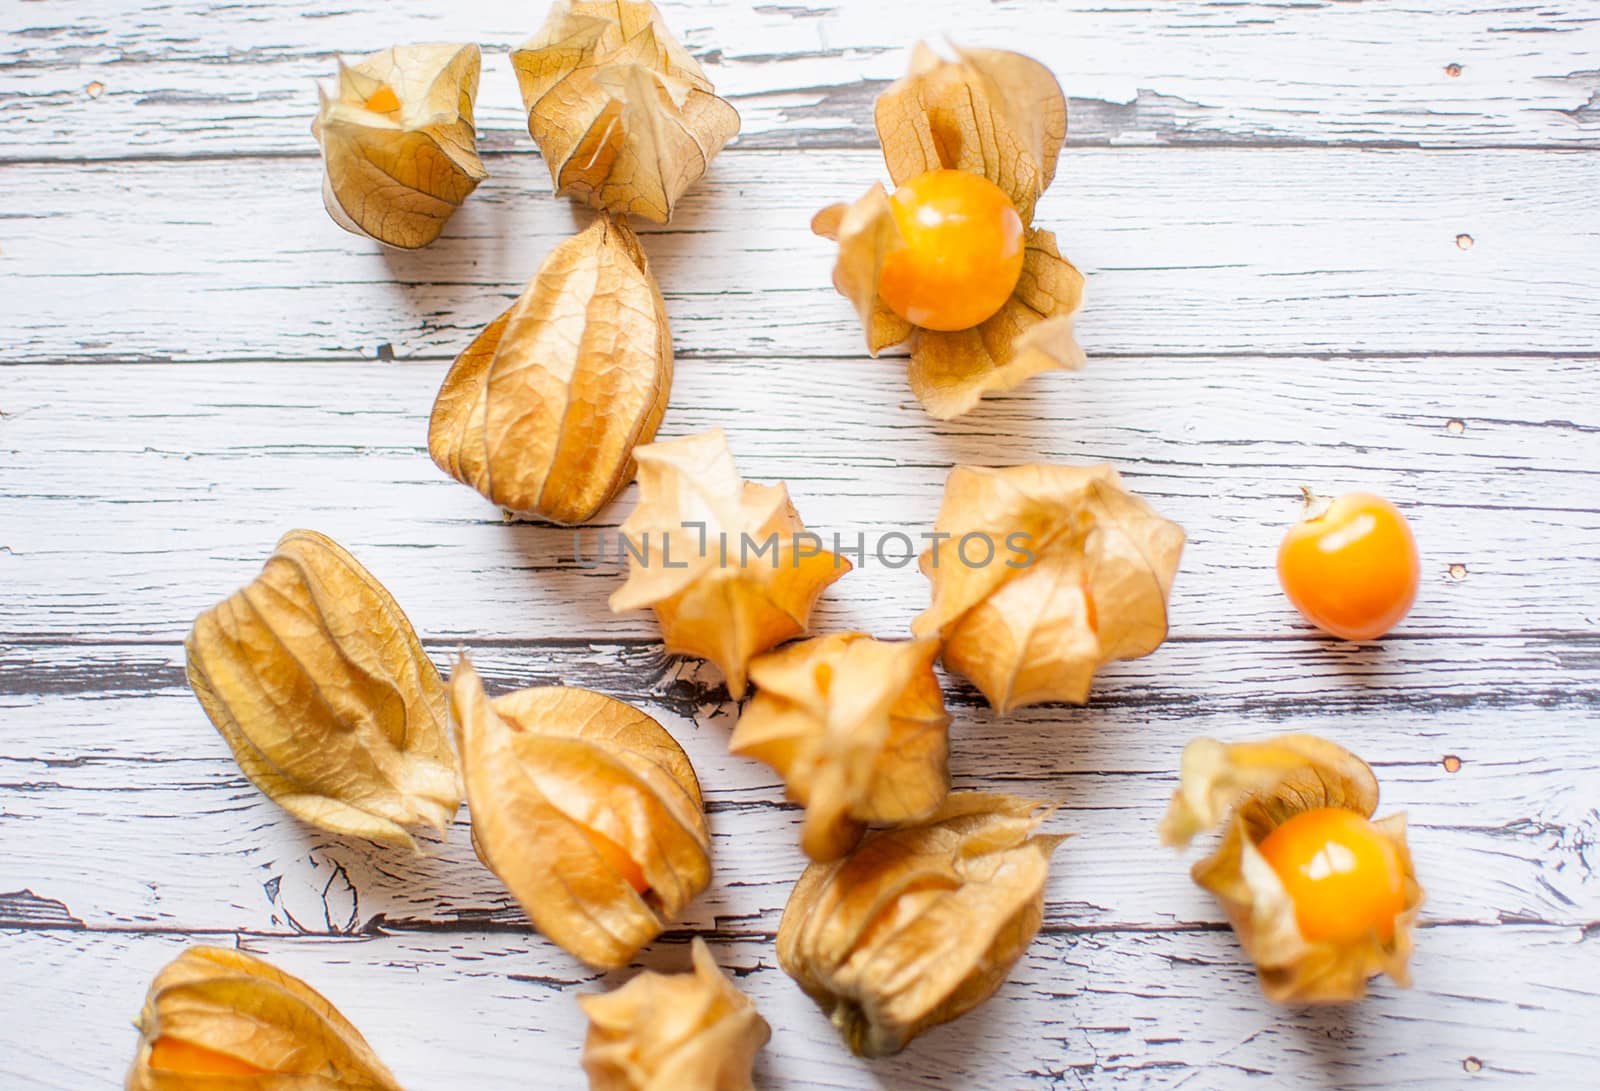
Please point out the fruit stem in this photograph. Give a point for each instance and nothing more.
(1316, 506)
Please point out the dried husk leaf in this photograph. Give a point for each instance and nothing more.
(318, 683)
(1254, 788)
(555, 773)
(867, 234)
(726, 564)
(988, 111)
(673, 1032)
(542, 411)
(1032, 332)
(397, 174)
(217, 1011)
(919, 924)
(1027, 631)
(858, 730)
(625, 117)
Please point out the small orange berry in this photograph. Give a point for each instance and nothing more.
(383, 100)
(1341, 872)
(962, 255)
(1351, 570)
(618, 860)
(181, 1056)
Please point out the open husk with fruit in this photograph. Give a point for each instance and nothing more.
(1322, 899)
(950, 261)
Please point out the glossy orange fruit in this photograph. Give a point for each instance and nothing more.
(1341, 872)
(1351, 570)
(963, 250)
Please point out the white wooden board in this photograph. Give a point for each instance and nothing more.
(1508, 835)
(186, 77)
(179, 497)
(466, 1009)
(1188, 251)
(1317, 254)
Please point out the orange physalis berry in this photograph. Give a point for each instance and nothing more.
(1351, 570)
(177, 1055)
(383, 100)
(1343, 875)
(962, 253)
(618, 860)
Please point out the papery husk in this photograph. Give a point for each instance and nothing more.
(625, 117)
(318, 683)
(951, 371)
(988, 111)
(398, 175)
(858, 730)
(227, 1003)
(1027, 632)
(673, 1032)
(542, 411)
(1254, 788)
(919, 924)
(1003, 116)
(713, 598)
(546, 769)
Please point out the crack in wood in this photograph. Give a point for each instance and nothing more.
(643, 670)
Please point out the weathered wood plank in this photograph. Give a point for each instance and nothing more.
(141, 495)
(1289, 251)
(1293, 308)
(1080, 1010)
(113, 746)
(1182, 72)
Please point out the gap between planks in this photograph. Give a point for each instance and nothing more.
(386, 927)
(1237, 73)
(1353, 356)
(736, 150)
(442, 646)
(1507, 833)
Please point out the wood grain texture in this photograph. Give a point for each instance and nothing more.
(157, 489)
(115, 737)
(1142, 1009)
(1225, 250)
(1328, 244)
(186, 78)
